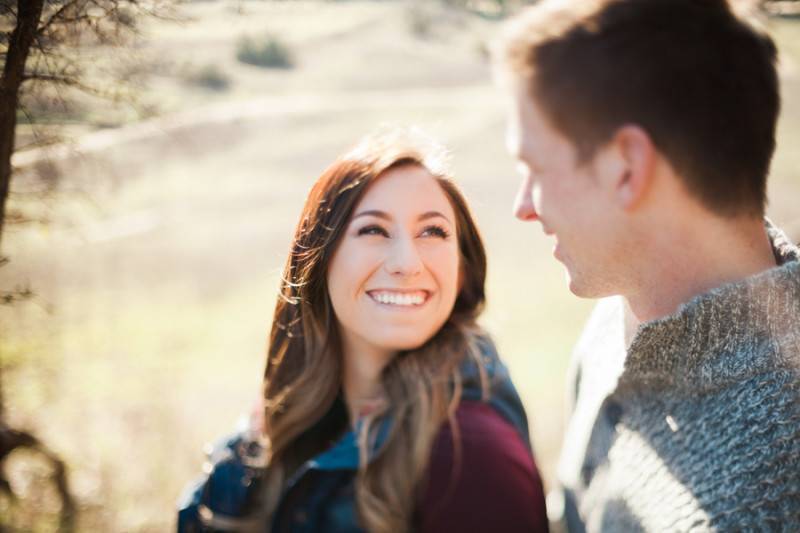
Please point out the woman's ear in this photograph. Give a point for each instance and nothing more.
(638, 156)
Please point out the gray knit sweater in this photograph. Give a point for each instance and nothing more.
(696, 427)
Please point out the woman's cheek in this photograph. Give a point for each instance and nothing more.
(443, 260)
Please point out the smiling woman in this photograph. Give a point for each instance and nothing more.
(394, 277)
(386, 408)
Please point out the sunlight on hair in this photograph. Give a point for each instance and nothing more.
(390, 143)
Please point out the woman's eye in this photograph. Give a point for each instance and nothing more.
(373, 230)
(435, 231)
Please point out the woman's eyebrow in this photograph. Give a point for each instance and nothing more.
(433, 214)
(386, 216)
(373, 213)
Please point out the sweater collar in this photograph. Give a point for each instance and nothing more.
(723, 335)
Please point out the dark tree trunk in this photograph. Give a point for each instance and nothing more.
(29, 13)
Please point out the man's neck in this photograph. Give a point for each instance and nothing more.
(693, 261)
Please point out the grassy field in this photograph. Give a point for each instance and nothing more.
(157, 270)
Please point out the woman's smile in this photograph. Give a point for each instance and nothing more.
(409, 299)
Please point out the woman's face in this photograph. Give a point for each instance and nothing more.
(394, 277)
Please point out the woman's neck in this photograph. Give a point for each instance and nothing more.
(361, 378)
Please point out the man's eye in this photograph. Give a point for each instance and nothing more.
(373, 230)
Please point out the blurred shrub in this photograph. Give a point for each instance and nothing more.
(126, 16)
(267, 53)
(208, 77)
(35, 505)
(419, 19)
(490, 8)
(482, 48)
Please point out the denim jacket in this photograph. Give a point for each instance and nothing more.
(319, 496)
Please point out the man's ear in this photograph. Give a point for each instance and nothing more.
(637, 155)
(626, 165)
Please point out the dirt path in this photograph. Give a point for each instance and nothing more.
(190, 124)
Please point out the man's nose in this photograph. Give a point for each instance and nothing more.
(403, 259)
(523, 204)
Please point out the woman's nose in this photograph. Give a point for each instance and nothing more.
(523, 204)
(404, 259)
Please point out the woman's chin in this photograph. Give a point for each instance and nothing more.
(404, 343)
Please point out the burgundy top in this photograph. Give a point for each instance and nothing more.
(493, 487)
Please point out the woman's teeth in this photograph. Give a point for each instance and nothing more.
(395, 298)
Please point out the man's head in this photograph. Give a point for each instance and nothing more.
(610, 93)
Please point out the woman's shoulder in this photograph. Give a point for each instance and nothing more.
(486, 379)
(479, 425)
(481, 474)
(479, 432)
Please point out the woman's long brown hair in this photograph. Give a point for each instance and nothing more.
(303, 376)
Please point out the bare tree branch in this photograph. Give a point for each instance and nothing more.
(52, 78)
(56, 15)
(38, 139)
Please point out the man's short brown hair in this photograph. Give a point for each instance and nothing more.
(698, 78)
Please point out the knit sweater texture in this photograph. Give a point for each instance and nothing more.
(696, 425)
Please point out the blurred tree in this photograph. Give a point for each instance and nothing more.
(40, 42)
